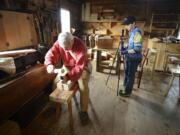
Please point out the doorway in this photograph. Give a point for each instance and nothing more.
(65, 20)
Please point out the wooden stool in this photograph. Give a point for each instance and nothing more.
(175, 72)
(64, 97)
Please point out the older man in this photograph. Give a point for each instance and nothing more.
(73, 53)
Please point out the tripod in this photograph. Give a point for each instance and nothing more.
(118, 57)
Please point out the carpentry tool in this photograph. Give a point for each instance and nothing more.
(62, 71)
(61, 85)
(65, 86)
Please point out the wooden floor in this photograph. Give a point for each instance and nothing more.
(146, 112)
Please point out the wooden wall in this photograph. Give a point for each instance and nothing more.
(47, 24)
(17, 30)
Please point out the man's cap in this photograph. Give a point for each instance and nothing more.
(128, 20)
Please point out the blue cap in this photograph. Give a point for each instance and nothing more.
(128, 20)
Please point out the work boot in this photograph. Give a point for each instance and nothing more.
(122, 89)
(84, 117)
(123, 93)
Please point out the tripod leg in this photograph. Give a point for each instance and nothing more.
(98, 62)
(116, 54)
(118, 63)
(118, 72)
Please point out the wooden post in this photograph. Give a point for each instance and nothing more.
(170, 84)
(179, 86)
(70, 115)
(118, 64)
(154, 63)
(58, 110)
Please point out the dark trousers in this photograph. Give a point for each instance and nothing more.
(130, 71)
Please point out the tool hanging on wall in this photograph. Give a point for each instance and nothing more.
(38, 21)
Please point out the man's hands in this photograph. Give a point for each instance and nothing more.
(126, 51)
(50, 69)
(123, 51)
(131, 51)
(62, 71)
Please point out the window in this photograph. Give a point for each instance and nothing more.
(178, 37)
(65, 20)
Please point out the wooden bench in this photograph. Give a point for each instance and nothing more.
(64, 97)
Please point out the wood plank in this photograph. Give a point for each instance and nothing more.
(19, 29)
(34, 38)
(24, 29)
(11, 29)
(27, 32)
(2, 35)
(16, 52)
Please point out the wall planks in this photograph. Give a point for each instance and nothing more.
(18, 30)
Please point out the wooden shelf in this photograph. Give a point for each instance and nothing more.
(108, 21)
(167, 22)
(166, 14)
(163, 29)
(164, 23)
